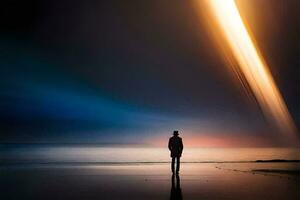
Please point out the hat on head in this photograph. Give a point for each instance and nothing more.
(175, 133)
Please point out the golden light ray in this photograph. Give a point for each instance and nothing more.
(251, 64)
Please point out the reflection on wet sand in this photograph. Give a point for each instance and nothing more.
(208, 181)
(176, 193)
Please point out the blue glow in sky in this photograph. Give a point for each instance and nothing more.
(109, 71)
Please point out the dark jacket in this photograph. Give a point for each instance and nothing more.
(175, 146)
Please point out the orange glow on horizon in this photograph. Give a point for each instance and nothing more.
(209, 139)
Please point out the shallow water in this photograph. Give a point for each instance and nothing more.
(130, 172)
(147, 181)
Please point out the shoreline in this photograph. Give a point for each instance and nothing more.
(142, 163)
(147, 181)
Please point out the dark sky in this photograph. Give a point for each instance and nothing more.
(124, 71)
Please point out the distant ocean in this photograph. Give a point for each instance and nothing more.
(58, 153)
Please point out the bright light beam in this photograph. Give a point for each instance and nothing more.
(252, 65)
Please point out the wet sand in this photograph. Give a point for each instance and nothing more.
(149, 181)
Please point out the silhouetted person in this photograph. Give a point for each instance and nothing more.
(176, 147)
(175, 189)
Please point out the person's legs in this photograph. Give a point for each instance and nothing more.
(173, 164)
(177, 164)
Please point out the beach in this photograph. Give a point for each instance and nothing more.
(59, 171)
(148, 181)
(103, 100)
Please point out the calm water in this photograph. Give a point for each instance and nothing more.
(66, 180)
(89, 153)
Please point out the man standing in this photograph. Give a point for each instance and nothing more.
(176, 147)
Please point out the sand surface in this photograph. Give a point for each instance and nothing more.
(149, 181)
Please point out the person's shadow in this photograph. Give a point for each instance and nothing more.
(175, 189)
